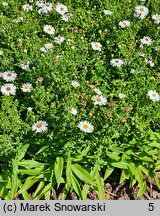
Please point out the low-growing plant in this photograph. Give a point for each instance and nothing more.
(79, 96)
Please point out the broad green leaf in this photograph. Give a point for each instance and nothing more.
(142, 189)
(100, 184)
(58, 170)
(82, 174)
(121, 165)
(76, 186)
(108, 172)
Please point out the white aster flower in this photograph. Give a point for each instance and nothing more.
(156, 18)
(67, 17)
(1, 53)
(27, 7)
(25, 65)
(47, 7)
(9, 76)
(48, 46)
(146, 40)
(40, 3)
(26, 87)
(61, 9)
(121, 95)
(124, 24)
(43, 50)
(116, 62)
(8, 89)
(5, 3)
(132, 71)
(40, 126)
(31, 1)
(29, 109)
(153, 95)
(97, 91)
(72, 110)
(99, 100)
(150, 62)
(108, 12)
(49, 29)
(75, 84)
(96, 46)
(141, 11)
(86, 127)
(59, 39)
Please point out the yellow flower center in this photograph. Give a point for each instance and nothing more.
(39, 125)
(96, 45)
(85, 126)
(99, 99)
(9, 74)
(8, 88)
(142, 9)
(153, 95)
(62, 9)
(26, 87)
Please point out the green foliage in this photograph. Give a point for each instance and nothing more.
(126, 129)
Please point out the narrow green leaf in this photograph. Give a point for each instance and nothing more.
(76, 186)
(26, 195)
(68, 172)
(38, 189)
(65, 191)
(100, 184)
(82, 174)
(121, 165)
(21, 152)
(44, 191)
(29, 164)
(47, 195)
(35, 171)
(139, 177)
(142, 189)
(108, 172)
(113, 156)
(84, 191)
(30, 181)
(42, 150)
(58, 170)
(14, 179)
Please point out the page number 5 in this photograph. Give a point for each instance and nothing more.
(151, 206)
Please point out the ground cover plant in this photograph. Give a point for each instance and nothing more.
(80, 96)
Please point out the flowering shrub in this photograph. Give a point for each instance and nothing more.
(80, 95)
